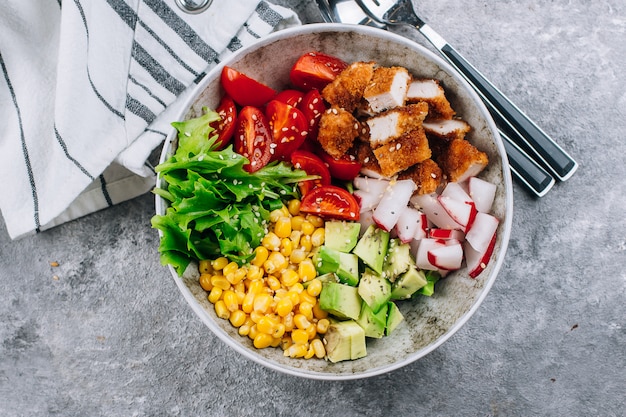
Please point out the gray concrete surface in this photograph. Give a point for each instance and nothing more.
(106, 333)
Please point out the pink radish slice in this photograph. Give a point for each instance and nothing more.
(462, 212)
(369, 192)
(477, 261)
(421, 258)
(448, 257)
(411, 225)
(429, 205)
(482, 193)
(395, 199)
(456, 192)
(446, 234)
(482, 231)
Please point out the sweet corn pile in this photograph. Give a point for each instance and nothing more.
(274, 299)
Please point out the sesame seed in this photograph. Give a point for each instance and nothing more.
(398, 146)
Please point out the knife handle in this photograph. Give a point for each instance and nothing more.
(523, 131)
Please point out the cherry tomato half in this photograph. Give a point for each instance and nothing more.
(291, 97)
(315, 70)
(288, 127)
(312, 165)
(225, 127)
(253, 138)
(345, 168)
(312, 106)
(332, 202)
(245, 90)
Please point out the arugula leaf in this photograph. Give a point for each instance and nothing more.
(216, 208)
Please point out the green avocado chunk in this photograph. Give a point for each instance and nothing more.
(398, 259)
(373, 324)
(341, 235)
(348, 271)
(407, 284)
(374, 290)
(394, 318)
(326, 260)
(345, 340)
(340, 300)
(372, 248)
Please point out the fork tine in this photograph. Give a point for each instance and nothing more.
(376, 9)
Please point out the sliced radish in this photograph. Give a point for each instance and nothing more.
(446, 234)
(448, 257)
(455, 191)
(411, 224)
(477, 261)
(462, 212)
(482, 231)
(482, 193)
(421, 258)
(369, 192)
(392, 204)
(429, 204)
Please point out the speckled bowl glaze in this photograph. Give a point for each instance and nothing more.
(429, 321)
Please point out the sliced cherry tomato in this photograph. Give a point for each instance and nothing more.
(312, 106)
(315, 70)
(312, 165)
(291, 97)
(331, 202)
(244, 90)
(345, 168)
(288, 127)
(253, 138)
(225, 127)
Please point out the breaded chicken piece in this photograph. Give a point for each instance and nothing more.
(337, 130)
(393, 123)
(446, 129)
(430, 91)
(387, 89)
(346, 91)
(426, 175)
(462, 160)
(399, 154)
(365, 156)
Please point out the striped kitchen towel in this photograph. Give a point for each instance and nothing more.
(88, 89)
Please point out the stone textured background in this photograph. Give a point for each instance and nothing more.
(111, 336)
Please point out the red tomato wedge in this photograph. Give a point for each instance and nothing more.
(345, 168)
(253, 138)
(312, 165)
(329, 201)
(291, 97)
(315, 70)
(244, 90)
(312, 106)
(288, 127)
(225, 127)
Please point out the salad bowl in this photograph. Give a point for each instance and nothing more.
(428, 321)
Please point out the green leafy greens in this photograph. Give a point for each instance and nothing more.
(216, 208)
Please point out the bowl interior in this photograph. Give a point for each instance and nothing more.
(429, 321)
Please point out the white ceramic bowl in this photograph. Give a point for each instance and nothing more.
(429, 321)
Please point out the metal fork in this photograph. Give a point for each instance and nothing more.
(530, 174)
(519, 127)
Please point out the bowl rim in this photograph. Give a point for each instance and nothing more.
(506, 225)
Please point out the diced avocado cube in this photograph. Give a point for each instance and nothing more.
(394, 318)
(431, 278)
(407, 284)
(326, 260)
(374, 290)
(348, 271)
(398, 259)
(341, 235)
(345, 340)
(372, 248)
(373, 324)
(340, 300)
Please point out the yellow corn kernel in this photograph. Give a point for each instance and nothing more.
(271, 242)
(219, 263)
(318, 236)
(279, 331)
(254, 271)
(275, 215)
(260, 255)
(244, 329)
(230, 300)
(285, 342)
(262, 302)
(322, 326)
(318, 347)
(297, 288)
(286, 247)
(237, 318)
(306, 270)
(305, 297)
(257, 286)
(306, 309)
(275, 342)
(273, 283)
(284, 307)
(289, 278)
(253, 332)
(316, 221)
(294, 297)
(262, 340)
(220, 281)
(247, 305)
(296, 351)
(294, 207)
(282, 227)
(310, 353)
(266, 325)
(314, 288)
(230, 268)
(215, 295)
(204, 266)
(275, 263)
(256, 316)
(221, 310)
(295, 238)
(307, 228)
(296, 223)
(318, 313)
(305, 243)
(311, 331)
(297, 256)
(301, 321)
(237, 276)
(299, 336)
(205, 281)
(288, 321)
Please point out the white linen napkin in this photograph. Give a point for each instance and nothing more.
(88, 89)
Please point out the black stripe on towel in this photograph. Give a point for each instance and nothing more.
(105, 191)
(147, 90)
(70, 157)
(268, 15)
(139, 109)
(156, 70)
(29, 168)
